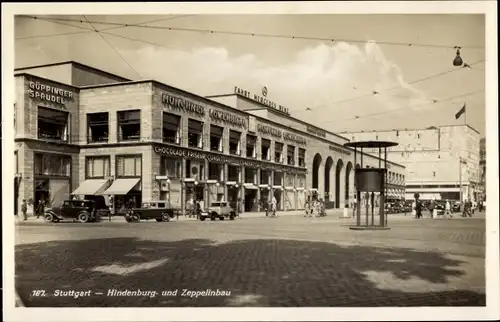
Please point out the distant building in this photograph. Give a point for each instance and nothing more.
(482, 165)
(438, 160)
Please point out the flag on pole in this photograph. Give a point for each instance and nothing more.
(459, 113)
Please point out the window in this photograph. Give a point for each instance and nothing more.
(278, 179)
(97, 127)
(250, 175)
(233, 173)
(216, 141)
(290, 155)
(290, 178)
(251, 142)
(194, 169)
(215, 171)
(265, 176)
(171, 132)
(170, 167)
(52, 165)
(265, 149)
(301, 181)
(302, 158)
(129, 166)
(234, 142)
(278, 152)
(98, 167)
(195, 134)
(53, 124)
(129, 125)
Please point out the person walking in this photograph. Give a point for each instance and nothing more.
(24, 209)
(274, 204)
(239, 207)
(40, 209)
(431, 207)
(418, 209)
(447, 210)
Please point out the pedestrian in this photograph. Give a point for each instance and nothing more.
(40, 209)
(274, 204)
(239, 207)
(431, 207)
(447, 210)
(480, 206)
(24, 209)
(418, 206)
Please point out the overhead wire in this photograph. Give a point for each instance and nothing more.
(87, 30)
(404, 108)
(114, 49)
(263, 35)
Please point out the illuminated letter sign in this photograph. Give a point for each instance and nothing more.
(49, 93)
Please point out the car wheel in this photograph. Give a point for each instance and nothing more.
(165, 217)
(48, 218)
(221, 217)
(83, 217)
(135, 218)
(202, 218)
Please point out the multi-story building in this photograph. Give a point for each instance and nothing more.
(441, 162)
(482, 165)
(82, 131)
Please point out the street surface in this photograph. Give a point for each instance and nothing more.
(288, 261)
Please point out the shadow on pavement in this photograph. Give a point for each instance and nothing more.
(257, 272)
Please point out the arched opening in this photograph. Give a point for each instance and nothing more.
(338, 169)
(316, 163)
(348, 192)
(328, 168)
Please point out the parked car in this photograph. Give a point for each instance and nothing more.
(455, 206)
(218, 210)
(440, 206)
(81, 210)
(158, 210)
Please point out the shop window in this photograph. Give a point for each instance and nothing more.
(97, 127)
(129, 166)
(170, 167)
(278, 152)
(301, 181)
(53, 124)
(290, 155)
(215, 171)
(52, 165)
(264, 176)
(195, 134)
(251, 143)
(129, 125)
(216, 141)
(250, 175)
(233, 173)
(234, 142)
(289, 181)
(302, 158)
(171, 132)
(98, 167)
(195, 170)
(265, 149)
(278, 179)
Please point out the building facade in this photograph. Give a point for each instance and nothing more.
(441, 162)
(482, 166)
(83, 132)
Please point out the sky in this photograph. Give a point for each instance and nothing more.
(327, 83)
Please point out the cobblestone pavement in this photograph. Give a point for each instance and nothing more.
(288, 261)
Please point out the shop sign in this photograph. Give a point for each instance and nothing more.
(339, 150)
(294, 138)
(268, 130)
(316, 131)
(172, 151)
(181, 104)
(227, 118)
(49, 93)
(261, 99)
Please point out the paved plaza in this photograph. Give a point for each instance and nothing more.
(258, 261)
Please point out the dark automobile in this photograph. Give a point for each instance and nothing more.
(81, 210)
(157, 210)
(455, 206)
(218, 210)
(440, 206)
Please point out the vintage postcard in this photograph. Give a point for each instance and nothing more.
(250, 161)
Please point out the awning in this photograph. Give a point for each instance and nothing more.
(249, 186)
(122, 186)
(91, 187)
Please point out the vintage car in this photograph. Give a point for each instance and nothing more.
(158, 210)
(76, 210)
(218, 210)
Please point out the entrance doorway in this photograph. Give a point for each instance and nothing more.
(232, 195)
(250, 200)
(42, 192)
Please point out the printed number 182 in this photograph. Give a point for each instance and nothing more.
(38, 293)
